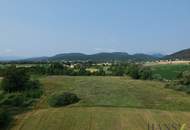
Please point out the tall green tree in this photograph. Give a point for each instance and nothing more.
(15, 79)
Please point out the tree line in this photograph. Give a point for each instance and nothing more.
(136, 71)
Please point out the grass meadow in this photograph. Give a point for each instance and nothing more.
(107, 103)
(170, 71)
(100, 118)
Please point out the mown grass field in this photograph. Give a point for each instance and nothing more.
(170, 71)
(107, 103)
(97, 118)
(115, 92)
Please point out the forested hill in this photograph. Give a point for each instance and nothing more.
(105, 56)
(183, 54)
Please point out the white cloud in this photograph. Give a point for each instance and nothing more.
(8, 51)
(111, 50)
(104, 50)
(98, 49)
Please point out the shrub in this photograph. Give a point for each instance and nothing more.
(12, 100)
(23, 99)
(33, 84)
(133, 71)
(28, 102)
(35, 93)
(157, 77)
(145, 73)
(5, 119)
(117, 70)
(63, 99)
(188, 89)
(168, 85)
(186, 77)
(139, 72)
(179, 87)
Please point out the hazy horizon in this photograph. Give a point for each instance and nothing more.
(46, 28)
(15, 57)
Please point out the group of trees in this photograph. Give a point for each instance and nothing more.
(182, 83)
(136, 71)
(17, 90)
(63, 99)
(139, 72)
(5, 118)
(18, 80)
(185, 78)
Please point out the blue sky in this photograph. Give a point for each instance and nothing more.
(47, 27)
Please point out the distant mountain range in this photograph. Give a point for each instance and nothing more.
(114, 56)
(158, 55)
(105, 56)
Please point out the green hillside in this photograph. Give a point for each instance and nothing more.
(107, 103)
(116, 92)
(183, 54)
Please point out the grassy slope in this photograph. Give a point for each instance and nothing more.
(115, 94)
(170, 71)
(99, 119)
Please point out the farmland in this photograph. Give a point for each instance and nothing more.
(169, 71)
(106, 103)
(96, 118)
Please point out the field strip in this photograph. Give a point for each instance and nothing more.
(99, 118)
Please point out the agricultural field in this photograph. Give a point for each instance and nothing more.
(169, 71)
(107, 103)
(97, 118)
